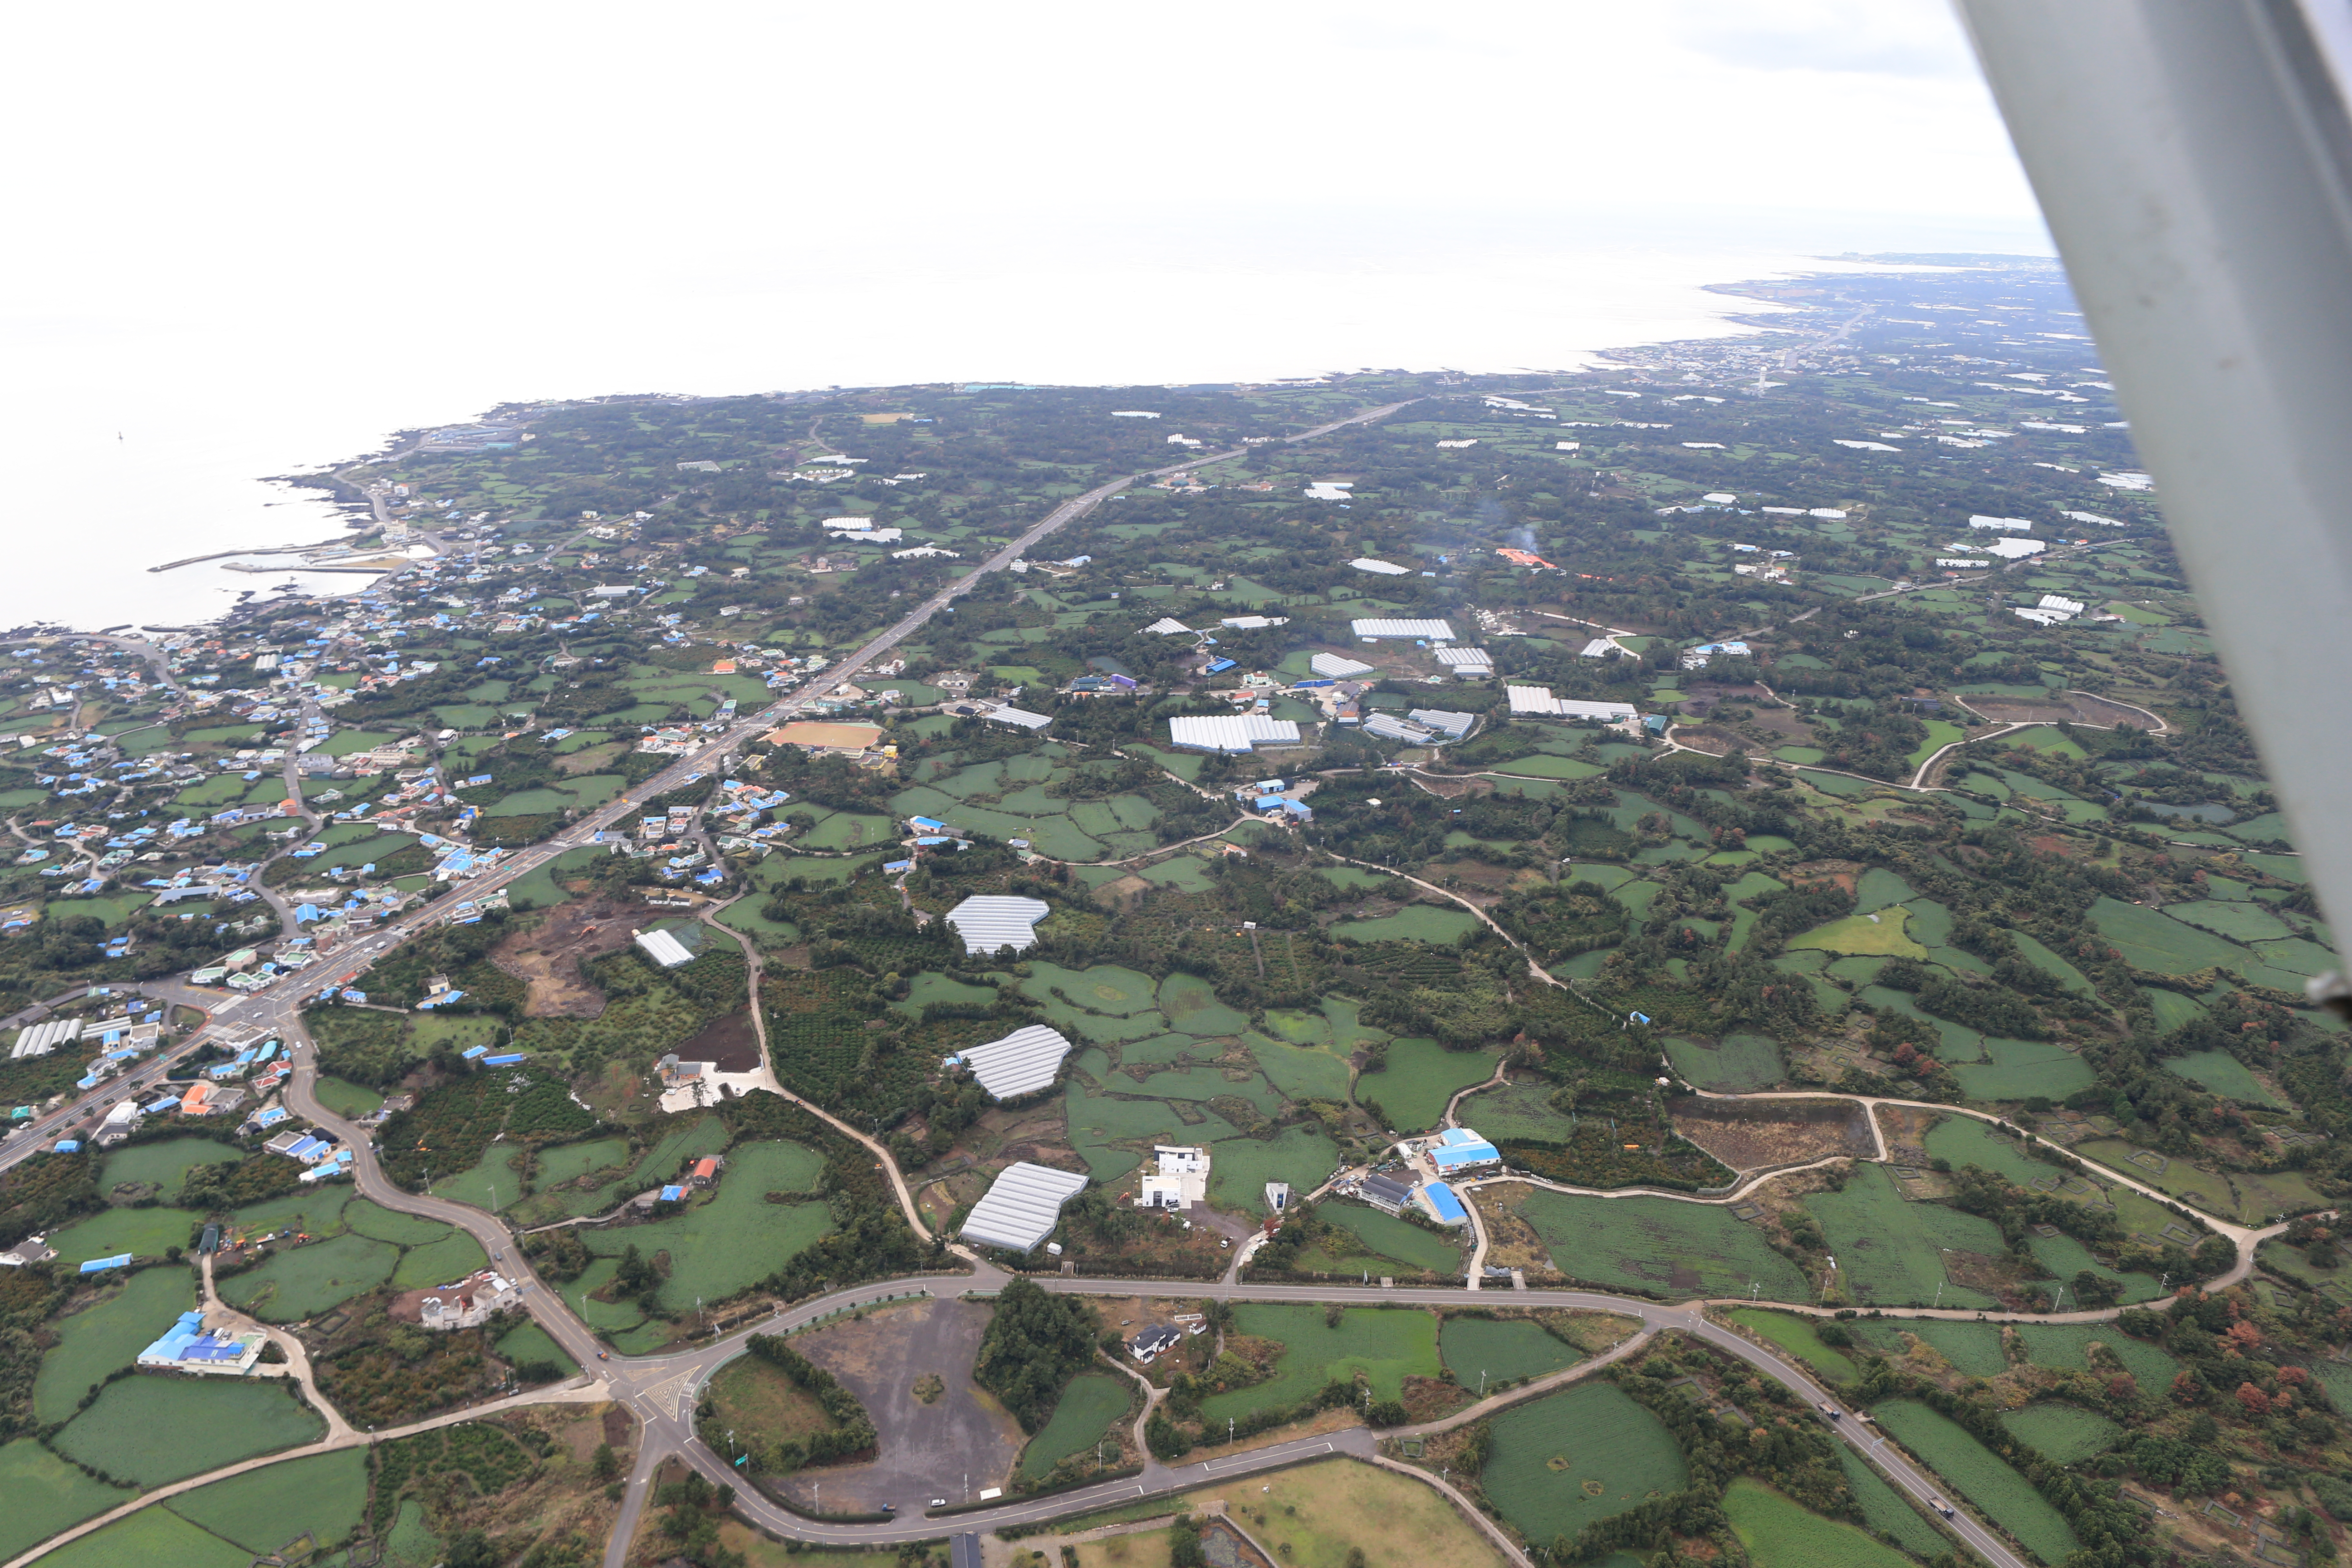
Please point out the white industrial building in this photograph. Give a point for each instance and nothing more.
(1336, 666)
(2008, 524)
(1232, 734)
(1019, 718)
(1168, 627)
(1022, 1062)
(1179, 1180)
(1383, 568)
(1022, 1206)
(1601, 647)
(988, 921)
(1538, 702)
(1467, 662)
(1432, 631)
(2016, 549)
(664, 948)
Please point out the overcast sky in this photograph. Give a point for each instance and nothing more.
(164, 152)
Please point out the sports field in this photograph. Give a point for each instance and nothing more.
(1089, 1405)
(1980, 1476)
(1501, 1350)
(263, 1510)
(1660, 1245)
(1890, 1252)
(109, 1334)
(2061, 1432)
(737, 1237)
(1779, 1534)
(307, 1279)
(152, 1430)
(1583, 1454)
(1420, 1077)
(1385, 1344)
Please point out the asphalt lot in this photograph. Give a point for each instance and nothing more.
(964, 1438)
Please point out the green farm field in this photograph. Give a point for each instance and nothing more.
(1883, 1508)
(2061, 1432)
(1660, 1246)
(152, 1535)
(109, 1334)
(1890, 1251)
(1980, 1476)
(166, 1164)
(1089, 1405)
(1386, 1235)
(46, 1494)
(1385, 1344)
(1502, 1349)
(264, 1509)
(737, 1238)
(1789, 1332)
(152, 1430)
(1779, 1534)
(1421, 1076)
(305, 1281)
(1587, 1453)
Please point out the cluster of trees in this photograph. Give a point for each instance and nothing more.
(1036, 1342)
(852, 1434)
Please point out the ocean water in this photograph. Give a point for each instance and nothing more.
(143, 430)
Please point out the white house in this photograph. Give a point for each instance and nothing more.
(1181, 1180)
(469, 1302)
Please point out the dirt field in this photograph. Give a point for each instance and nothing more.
(927, 1450)
(729, 1043)
(547, 957)
(2018, 711)
(1843, 874)
(1773, 1132)
(1511, 1241)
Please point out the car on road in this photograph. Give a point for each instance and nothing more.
(938, 1502)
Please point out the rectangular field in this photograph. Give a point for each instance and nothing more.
(1385, 1344)
(1501, 1350)
(1890, 1251)
(1420, 1077)
(1779, 1534)
(1085, 1412)
(1978, 1473)
(1584, 1453)
(1660, 1245)
(151, 1431)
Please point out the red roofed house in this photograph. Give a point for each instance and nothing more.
(706, 1171)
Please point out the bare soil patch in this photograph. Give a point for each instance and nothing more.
(1454, 788)
(1843, 874)
(1712, 739)
(1774, 1132)
(731, 1044)
(1511, 1241)
(546, 958)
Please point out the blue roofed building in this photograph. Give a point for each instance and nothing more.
(188, 1346)
(1442, 1204)
(1458, 1150)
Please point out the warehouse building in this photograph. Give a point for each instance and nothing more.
(1430, 631)
(1232, 735)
